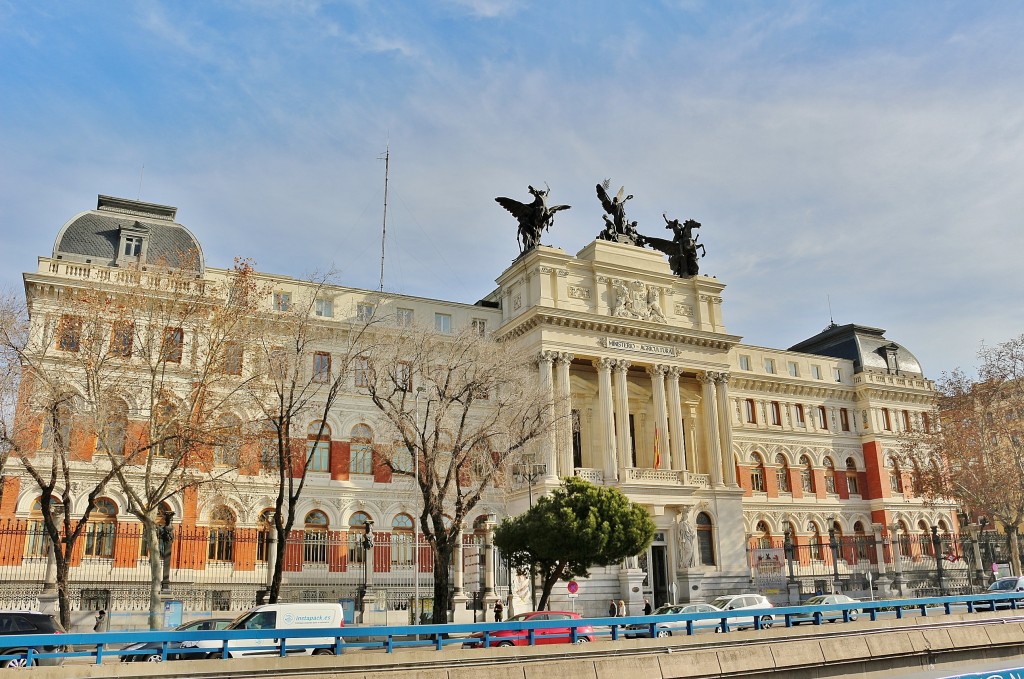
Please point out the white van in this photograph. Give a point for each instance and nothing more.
(281, 617)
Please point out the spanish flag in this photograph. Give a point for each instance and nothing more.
(657, 451)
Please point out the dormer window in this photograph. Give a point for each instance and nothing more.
(132, 249)
(133, 246)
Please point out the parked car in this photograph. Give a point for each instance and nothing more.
(154, 648)
(737, 602)
(553, 635)
(825, 600)
(28, 622)
(1002, 585)
(670, 627)
(276, 617)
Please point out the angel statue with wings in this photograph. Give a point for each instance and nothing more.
(616, 228)
(533, 217)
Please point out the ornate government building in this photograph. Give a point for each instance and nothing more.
(736, 450)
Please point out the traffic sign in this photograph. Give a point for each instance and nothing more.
(573, 587)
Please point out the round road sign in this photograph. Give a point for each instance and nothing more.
(573, 587)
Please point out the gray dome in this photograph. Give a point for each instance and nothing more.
(122, 232)
(867, 347)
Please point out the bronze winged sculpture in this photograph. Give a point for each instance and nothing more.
(616, 227)
(682, 249)
(533, 217)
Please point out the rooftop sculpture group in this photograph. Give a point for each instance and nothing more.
(536, 217)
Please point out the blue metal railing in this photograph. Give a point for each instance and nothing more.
(286, 641)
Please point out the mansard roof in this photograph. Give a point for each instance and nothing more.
(867, 347)
(95, 236)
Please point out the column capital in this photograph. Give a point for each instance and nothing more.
(621, 365)
(564, 357)
(674, 371)
(706, 377)
(721, 378)
(657, 370)
(603, 363)
(546, 357)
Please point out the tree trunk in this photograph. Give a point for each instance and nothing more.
(63, 600)
(275, 584)
(1011, 533)
(442, 585)
(156, 572)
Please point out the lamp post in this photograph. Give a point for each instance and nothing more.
(787, 546)
(834, 546)
(982, 524)
(897, 557)
(937, 549)
(367, 544)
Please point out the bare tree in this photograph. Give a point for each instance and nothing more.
(976, 457)
(306, 358)
(463, 409)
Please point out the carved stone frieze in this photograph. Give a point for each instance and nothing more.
(683, 309)
(635, 299)
(579, 292)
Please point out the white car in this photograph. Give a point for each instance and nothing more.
(277, 617)
(834, 615)
(738, 602)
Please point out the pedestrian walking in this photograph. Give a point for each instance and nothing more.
(647, 607)
(101, 621)
(613, 610)
(622, 609)
(499, 611)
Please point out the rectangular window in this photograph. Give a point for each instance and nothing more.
(757, 479)
(324, 307)
(769, 366)
(816, 372)
(837, 374)
(69, 333)
(886, 420)
(362, 372)
(133, 246)
(744, 363)
(926, 423)
(830, 483)
(361, 461)
(907, 426)
(278, 360)
(364, 312)
(776, 413)
(750, 411)
(404, 317)
(232, 362)
(822, 418)
(321, 367)
(851, 484)
(282, 301)
(479, 326)
(174, 341)
(794, 369)
(121, 339)
(443, 323)
(799, 412)
(844, 419)
(401, 458)
(403, 376)
(319, 454)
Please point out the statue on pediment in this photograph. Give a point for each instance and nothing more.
(682, 249)
(534, 217)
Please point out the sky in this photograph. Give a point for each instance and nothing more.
(861, 162)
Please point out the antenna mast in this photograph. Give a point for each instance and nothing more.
(384, 229)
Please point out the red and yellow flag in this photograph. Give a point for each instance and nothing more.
(657, 450)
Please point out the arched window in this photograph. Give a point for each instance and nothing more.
(314, 537)
(830, 476)
(229, 437)
(362, 450)
(851, 477)
(401, 540)
(356, 531)
(264, 524)
(862, 540)
(318, 447)
(62, 440)
(806, 474)
(101, 529)
(815, 540)
(705, 540)
(270, 458)
(37, 542)
(782, 474)
(167, 433)
(926, 538)
(915, 479)
(763, 536)
(113, 427)
(756, 473)
(895, 476)
(221, 543)
(837, 530)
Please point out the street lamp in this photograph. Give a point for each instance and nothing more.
(834, 546)
(367, 544)
(166, 540)
(787, 546)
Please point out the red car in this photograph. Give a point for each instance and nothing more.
(551, 635)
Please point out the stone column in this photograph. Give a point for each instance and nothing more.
(624, 442)
(725, 428)
(564, 414)
(607, 418)
(661, 431)
(675, 420)
(544, 361)
(711, 436)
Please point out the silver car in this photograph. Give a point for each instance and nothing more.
(670, 627)
(834, 615)
(742, 602)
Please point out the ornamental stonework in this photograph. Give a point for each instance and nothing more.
(579, 292)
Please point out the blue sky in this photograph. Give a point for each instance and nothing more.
(870, 153)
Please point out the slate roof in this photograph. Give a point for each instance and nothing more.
(865, 346)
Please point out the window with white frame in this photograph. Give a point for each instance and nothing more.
(816, 372)
(324, 307)
(794, 369)
(361, 372)
(404, 317)
(318, 447)
(744, 363)
(364, 312)
(479, 326)
(282, 301)
(361, 447)
(837, 374)
(769, 366)
(443, 322)
(798, 412)
(321, 367)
